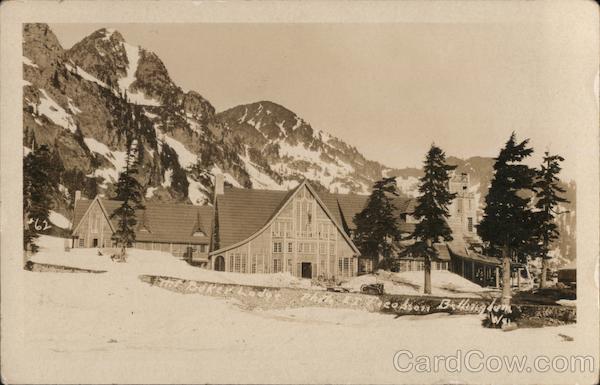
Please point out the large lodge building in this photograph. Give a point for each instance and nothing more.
(301, 231)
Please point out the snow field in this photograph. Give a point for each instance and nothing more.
(111, 327)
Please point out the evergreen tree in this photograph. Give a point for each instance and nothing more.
(432, 208)
(40, 183)
(507, 224)
(548, 197)
(129, 191)
(376, 227)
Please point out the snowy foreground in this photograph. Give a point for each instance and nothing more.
(112, 327)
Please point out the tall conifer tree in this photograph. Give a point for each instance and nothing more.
(507, 224)
(40, 183)
(129, 190)
(376, 227)
(548, 197)
(432, 208)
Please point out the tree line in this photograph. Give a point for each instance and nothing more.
(518, 219)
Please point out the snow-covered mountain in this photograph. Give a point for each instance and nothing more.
(281, 148)
(74, 101)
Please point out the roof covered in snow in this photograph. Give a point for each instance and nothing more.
(160, 222)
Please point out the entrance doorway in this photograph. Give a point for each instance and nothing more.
(220, 263)
(306, 270)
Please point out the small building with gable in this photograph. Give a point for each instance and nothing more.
(182, 230)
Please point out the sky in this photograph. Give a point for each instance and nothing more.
(391, 89)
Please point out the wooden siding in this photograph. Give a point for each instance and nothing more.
(301, 233)
(94, 225)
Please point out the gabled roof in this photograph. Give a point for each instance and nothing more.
(165, 222)
(351, 204)
(241, 213)
(260, 207)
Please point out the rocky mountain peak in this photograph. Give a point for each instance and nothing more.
(40, 45)
(268, 121)
(102, 54)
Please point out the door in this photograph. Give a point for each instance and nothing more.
(306, 270)
(220, 263)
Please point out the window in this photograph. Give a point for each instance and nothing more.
(323, 230)
(470, 224)
(202, 248)
(95, 242)
(290, 247)
(340, 267)
(231, 262)
(281, 229)
(288, 229)
(289, 265)
(244, 262)
(81, 242)
(323, 248)
(306, 247)
(332, 249)
(253, 265)
(197, 233)
(237, 263)
(276, 266)
(277, 247)
(346, 266)
(94, 219)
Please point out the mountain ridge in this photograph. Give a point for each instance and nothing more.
(73, 98)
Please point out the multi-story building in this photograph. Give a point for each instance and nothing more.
(463, 210)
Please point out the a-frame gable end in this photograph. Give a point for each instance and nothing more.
(97, 201)
(87, 212)
(331, 217)
(106, 215)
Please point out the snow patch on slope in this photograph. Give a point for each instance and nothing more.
(185, 156)
(133, 57)
(59, 220)
(259, 179)
(86, 76)
(55, 112)
(117, 158)
(72, 107)
(27, 61)
(197, 192)
(168, 178)
(408, 185)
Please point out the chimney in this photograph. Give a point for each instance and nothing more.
(219, 184)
